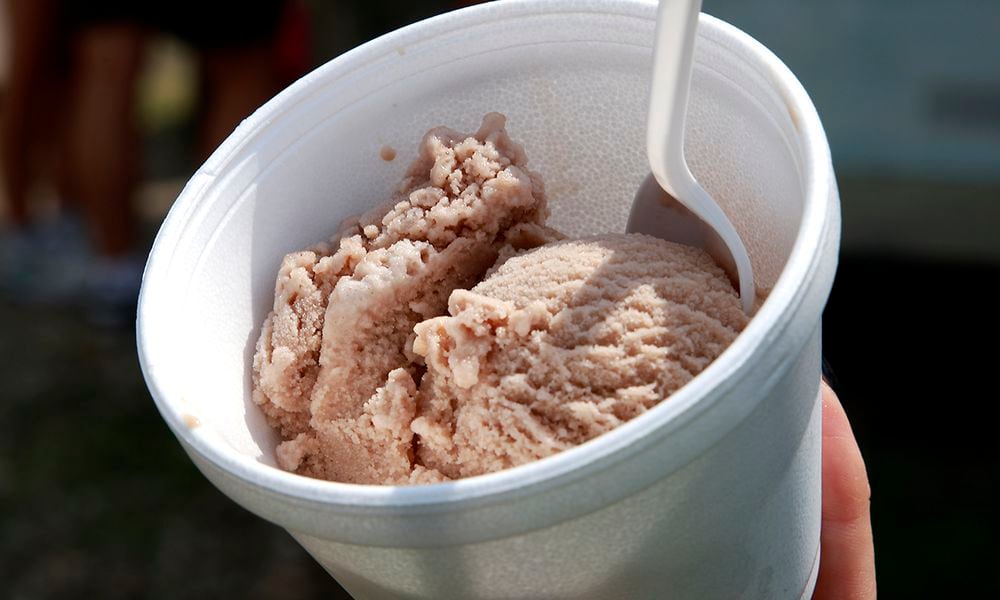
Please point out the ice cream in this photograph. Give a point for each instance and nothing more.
(450, 333)
(333, 370)
(563, 343)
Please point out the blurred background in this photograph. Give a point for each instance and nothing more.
(107, 107)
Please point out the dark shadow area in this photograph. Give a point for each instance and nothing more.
(910, 344)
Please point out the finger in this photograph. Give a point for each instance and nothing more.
(847, 553)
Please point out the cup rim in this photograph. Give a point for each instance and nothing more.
(687, 403)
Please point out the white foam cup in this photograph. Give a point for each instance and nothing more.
(715, 493)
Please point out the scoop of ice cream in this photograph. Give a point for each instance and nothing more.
(563, 343)
(333, 370)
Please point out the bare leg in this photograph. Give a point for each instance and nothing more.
(32, 26)
(237, 81)
(102, 146)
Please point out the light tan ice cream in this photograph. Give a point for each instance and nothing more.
(564, 343)
(380, 365)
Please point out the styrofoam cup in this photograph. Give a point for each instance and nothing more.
(714, 493)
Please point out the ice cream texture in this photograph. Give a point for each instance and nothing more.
(451, 333)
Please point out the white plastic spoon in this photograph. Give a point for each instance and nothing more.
(670, 204)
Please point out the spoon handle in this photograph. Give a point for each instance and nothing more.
(676, 29)
(673, 55)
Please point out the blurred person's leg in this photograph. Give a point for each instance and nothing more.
(103, 161)
(293, 42)
(239, 64)
(102, 151)
(32, 25)
(37, 255)
(236, 82)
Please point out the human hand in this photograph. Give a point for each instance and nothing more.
(847, 552)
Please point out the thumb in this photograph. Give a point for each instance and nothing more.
(847, 553)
